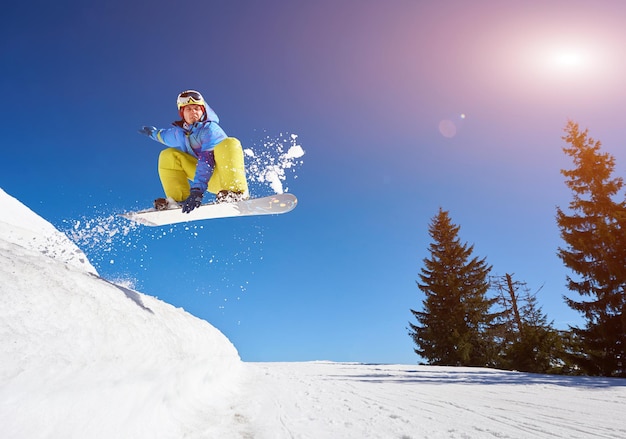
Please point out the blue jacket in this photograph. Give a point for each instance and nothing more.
(197, 140)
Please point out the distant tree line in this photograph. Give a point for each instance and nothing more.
(470, 317)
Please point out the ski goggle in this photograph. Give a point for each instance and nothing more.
(188, 98)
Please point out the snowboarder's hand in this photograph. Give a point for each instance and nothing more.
(193, 200)
(147, 131)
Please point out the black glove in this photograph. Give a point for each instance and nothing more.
(147, 131)
(193, 200)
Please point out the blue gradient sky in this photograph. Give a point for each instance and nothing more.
(367, 86)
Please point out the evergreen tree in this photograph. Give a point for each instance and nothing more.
(595, 236)
(530, 342)
(454, 326)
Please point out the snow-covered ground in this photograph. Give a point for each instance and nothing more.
(81, 357)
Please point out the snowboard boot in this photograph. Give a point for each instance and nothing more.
(229, 196)
(165, 204)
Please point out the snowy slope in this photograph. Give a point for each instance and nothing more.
(81, 357)
(355, 401)
(20, 225)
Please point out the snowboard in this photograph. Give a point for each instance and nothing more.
(272, 205)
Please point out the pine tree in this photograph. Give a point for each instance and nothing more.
(529, 342)
(454, 326)
(595, 250)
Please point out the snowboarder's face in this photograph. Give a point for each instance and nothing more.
(193, 113)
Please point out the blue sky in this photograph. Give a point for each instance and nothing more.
(402, 107)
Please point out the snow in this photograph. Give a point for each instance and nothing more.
(20, 225)
(82, 357)
(269, 164)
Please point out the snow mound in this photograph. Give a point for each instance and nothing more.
(83, 357)
(20, 225)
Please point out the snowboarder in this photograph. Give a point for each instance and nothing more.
(201, 152)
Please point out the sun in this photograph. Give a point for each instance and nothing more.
(571, 63)
(569, 59)
(563, 63)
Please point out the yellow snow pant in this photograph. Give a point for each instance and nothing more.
(176, 168)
